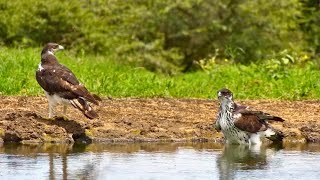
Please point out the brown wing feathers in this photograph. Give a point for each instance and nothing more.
(239, 108)
(265, 116)
(254, 121)
(83, 92)
(262, 116)
(249, 123)
(83, 96)
(80, 90)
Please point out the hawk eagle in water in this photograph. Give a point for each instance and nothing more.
(61, 86)
(239, 125)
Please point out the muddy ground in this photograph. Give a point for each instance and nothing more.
(24, 119)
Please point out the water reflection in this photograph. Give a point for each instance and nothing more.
(148, 160)
(241, 157)
(128, 148)
(58, 156)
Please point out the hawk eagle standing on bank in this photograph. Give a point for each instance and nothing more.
(242, 126)
(61, 86)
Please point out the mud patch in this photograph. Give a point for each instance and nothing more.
(23, 119)
(28, 127)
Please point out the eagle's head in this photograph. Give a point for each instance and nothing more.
(51, 48)
(225, 95)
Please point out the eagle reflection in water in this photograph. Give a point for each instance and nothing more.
(236, 158)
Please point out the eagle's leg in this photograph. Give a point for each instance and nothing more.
(52, 111)
(52, 104)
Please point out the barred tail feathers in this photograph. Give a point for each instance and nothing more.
(83, 105)
(274, 135)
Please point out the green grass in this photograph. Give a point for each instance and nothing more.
(107, 77)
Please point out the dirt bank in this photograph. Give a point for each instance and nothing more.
(23, 119)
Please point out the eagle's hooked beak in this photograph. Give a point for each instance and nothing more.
(56, 48)
(60, 47)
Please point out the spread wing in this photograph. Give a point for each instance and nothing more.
(253, 121)
(59, 79)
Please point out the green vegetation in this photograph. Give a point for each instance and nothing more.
(165, 48)
(277, 79)
(164, 35)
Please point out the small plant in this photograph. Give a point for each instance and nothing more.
(278, 67)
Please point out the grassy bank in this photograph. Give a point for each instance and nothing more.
(107, 77)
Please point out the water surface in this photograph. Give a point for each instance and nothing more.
(159, 161)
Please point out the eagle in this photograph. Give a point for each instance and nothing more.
(240, 125)
(61, 85)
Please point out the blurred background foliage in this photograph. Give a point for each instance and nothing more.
(171, 36)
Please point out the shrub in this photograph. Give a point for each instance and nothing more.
(166, 36)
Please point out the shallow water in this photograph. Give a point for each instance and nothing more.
(159, 161)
